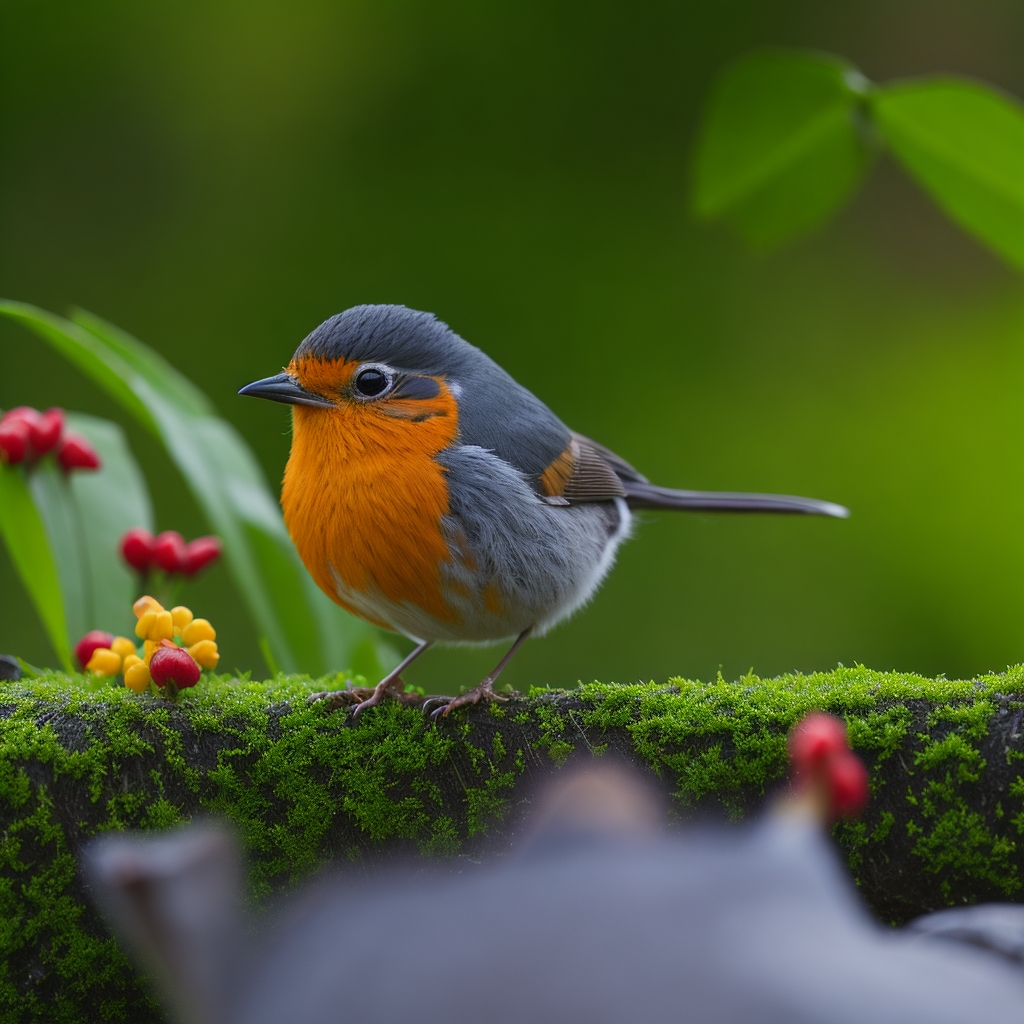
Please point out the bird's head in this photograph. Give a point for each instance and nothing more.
(371, 365)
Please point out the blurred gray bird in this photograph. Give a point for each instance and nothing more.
(601, 917)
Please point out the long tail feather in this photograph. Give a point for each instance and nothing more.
(641, 495)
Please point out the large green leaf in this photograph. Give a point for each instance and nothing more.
(303, 628)
(108, 503)
(85, 513)
(29, 548)
(51, 493)
(780, 147)
(964, 142)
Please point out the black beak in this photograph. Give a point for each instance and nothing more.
(285, 388)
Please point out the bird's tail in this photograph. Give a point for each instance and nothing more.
(640, 495)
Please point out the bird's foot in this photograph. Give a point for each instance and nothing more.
(442, 706)
(359, 698)
(340, 698)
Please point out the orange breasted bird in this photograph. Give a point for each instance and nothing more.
(429, 493)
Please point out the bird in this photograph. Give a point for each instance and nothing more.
(429, 493)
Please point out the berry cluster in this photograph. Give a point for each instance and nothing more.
(176, 647)
(822, 758)
(168, 551)
(26, 435)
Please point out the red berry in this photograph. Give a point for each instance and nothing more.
(815, 739)
(174, 665)
(76, 453)
(13, 440)
(138, 549)
(848, 785)
(169, 551)
(44, 432)
(25, 413)
(93, 639)
(199, 554)
(21, 419)
(825, 764)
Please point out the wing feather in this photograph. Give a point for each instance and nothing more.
(587, 471)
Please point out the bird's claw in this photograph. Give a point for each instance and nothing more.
(385, 688)
(338, 698)
(372, 701)
(441, 709)
(359, 698)
(440, 699)
(447, 704)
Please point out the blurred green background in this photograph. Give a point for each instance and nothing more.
(219, 177)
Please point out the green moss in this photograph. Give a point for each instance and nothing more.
(301, 786)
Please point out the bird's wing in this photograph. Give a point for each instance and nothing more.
(583, 472)
(587, 471)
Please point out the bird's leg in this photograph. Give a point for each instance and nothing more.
(483, 691)
(390, 685)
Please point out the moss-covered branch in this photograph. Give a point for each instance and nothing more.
(79, 757)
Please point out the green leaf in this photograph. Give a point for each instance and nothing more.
(51, 493)
(104, 364)
(780, 148)
(84, 514)
(29, 548)
(109, 502)
(964, 142)
(304, 629)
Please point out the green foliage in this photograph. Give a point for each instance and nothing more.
(783, 145)
(85, 515)
(303, 628)
(51, 492)
(82, 516)
(780, 148)
(108, 502)
(27, 544)
(964, 143)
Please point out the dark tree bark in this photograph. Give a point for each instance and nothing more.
(303, 787)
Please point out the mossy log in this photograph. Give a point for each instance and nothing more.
(304, 787)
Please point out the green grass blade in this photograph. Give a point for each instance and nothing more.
(29, 548)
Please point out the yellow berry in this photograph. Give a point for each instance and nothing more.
(204, 652)
(104, 662)
(146, 604)
(123, 646)
(182, 616)
(136, 675)
(159, 627)
(149, 648)
(196, 630)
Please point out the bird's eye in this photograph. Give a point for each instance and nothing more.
(372, 382)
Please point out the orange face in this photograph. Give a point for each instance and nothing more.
(363, 495)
